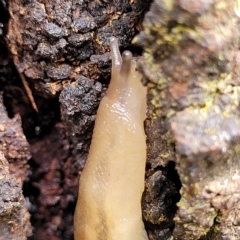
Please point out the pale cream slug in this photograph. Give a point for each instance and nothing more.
(112, 182)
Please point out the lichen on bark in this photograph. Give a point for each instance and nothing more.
(191, 61)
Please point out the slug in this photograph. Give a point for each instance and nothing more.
(112, 182)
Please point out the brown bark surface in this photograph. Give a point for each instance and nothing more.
(14, 154)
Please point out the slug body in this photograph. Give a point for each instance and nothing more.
(112, 182)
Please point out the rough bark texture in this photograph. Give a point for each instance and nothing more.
(14, 216)
(13, 144)
(54, 43)
(191, 59)
(79, 102)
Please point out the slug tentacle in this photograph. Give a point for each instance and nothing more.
(126, 65)
(115, 54)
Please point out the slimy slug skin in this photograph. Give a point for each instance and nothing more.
(112, 182)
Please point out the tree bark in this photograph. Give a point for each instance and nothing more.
(191, 61)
